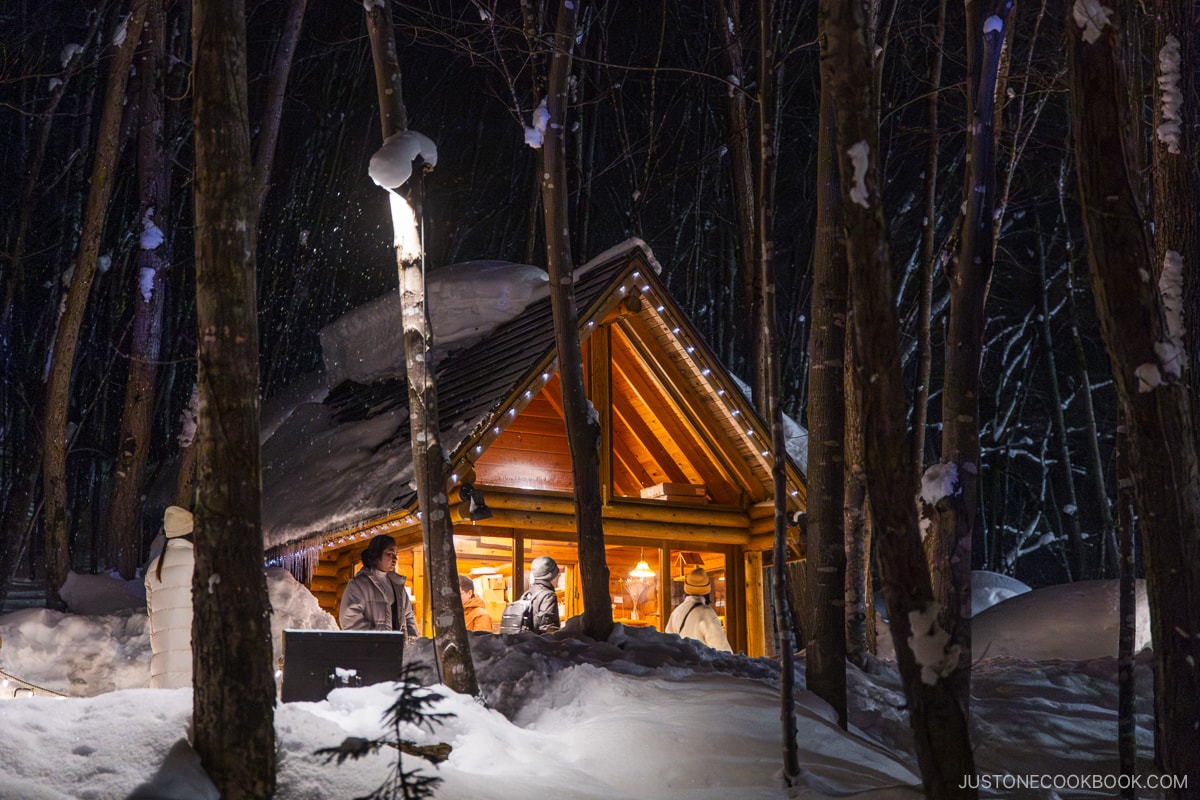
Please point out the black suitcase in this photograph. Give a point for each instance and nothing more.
(316, 662)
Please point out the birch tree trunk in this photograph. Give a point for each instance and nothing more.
(153, 257)
(58, 388)
(233, 713)
(1137, 302)
(826, 562)
(923, 651)
(430, 470)
(583, 428)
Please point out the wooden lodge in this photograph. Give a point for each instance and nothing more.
(685, 463)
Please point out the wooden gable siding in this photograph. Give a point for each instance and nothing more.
(532, 451)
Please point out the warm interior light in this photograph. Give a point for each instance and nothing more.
(642, 569)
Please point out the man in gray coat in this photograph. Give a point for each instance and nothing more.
(543, 601)
(375, 600)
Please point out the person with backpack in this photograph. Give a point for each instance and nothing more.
(375, 598)
(169, 603)
(537, 610)
(694, 618)
(543, 601)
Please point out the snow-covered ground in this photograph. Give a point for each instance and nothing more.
(643, 715)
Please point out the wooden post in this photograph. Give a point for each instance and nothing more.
(518, 565)
(755, 642)
(420, 590)
(600, 389)
(664, 584)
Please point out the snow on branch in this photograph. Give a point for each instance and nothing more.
(391, 166)
(535, 132)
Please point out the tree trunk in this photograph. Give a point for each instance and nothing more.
(583, 430)
(1145, 353)
(1082, 565)
(928, 251)
(748, 287)
(1127, 622)
(767, 143)
(948, 543)
(923, 653)
(860, 592)
(58, 388)
(826, 645)
(268, 135)
(1174, 164)
(234, 702)
(430, 469)
(153, 257)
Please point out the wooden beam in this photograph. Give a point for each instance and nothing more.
(518, 566)
(686, 431)
(621, 508)
(530, 521)
(647, 440)
(725, 454)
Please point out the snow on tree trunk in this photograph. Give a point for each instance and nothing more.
(233, 707)
(1156, 406)
(583, 426)
(58, 389)
(923, 652)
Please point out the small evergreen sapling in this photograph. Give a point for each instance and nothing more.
(412, 707)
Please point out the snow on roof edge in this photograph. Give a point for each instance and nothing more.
(627, 246)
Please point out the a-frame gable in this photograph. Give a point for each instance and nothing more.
(670, 412)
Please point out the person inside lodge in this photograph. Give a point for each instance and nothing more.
(375, 599)
(476, 616)
(694, 618)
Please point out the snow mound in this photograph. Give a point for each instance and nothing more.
(990, 588)
(293, 606)
(1075, 621)
(102, 594)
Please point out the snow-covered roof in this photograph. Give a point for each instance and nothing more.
(342, 460)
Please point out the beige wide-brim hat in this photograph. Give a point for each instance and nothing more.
(177, 522)
(697, 582)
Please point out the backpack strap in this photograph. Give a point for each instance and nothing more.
(527, 612)
(683, 621)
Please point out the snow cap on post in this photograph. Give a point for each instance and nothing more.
(391, 166)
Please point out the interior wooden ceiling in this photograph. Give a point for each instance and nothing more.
(653, 439)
